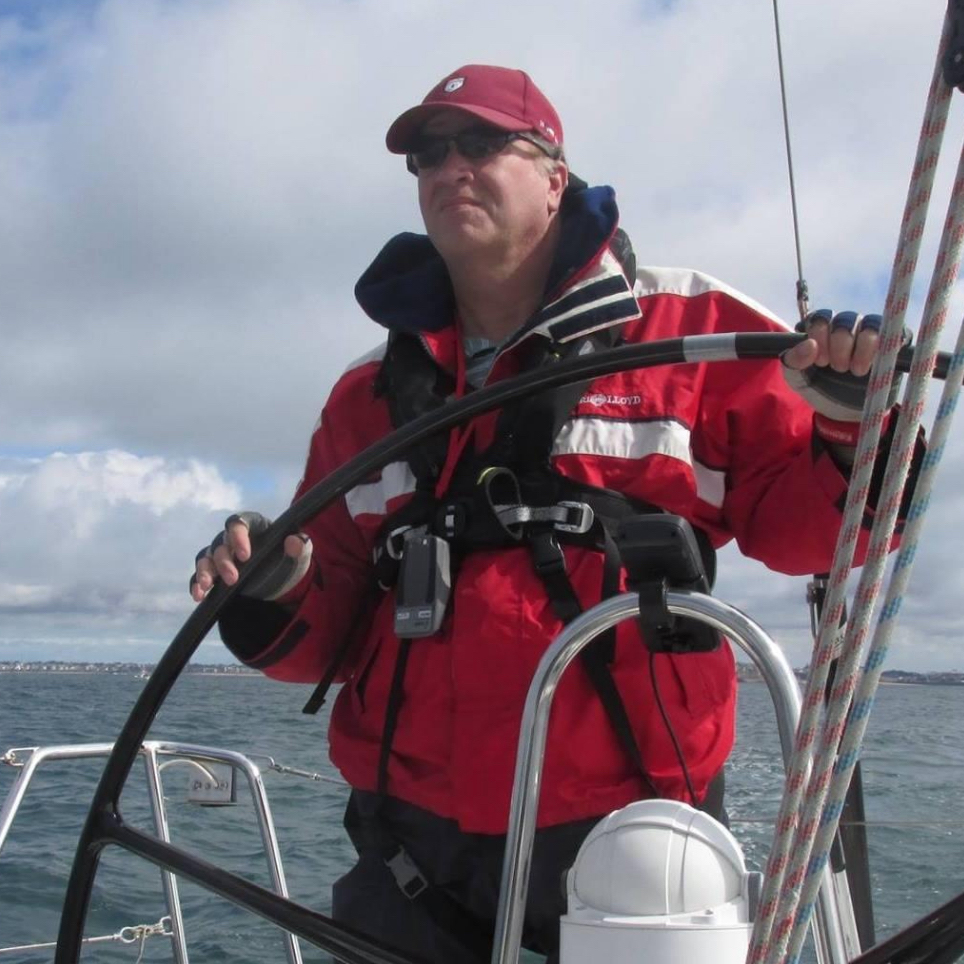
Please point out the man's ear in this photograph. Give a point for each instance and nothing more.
(558, 179)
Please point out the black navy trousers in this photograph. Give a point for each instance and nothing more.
(467, 868)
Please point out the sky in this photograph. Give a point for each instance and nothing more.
(190, 188)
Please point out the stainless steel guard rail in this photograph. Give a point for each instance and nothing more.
(152, 751)
(831, 932)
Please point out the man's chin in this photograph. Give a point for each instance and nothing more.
(462, 240)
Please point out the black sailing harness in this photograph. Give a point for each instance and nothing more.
(506, 497)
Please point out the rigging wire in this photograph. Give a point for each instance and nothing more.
(803, 295)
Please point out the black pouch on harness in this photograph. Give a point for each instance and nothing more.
(661, 552)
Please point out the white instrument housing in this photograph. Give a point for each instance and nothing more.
(659, 882)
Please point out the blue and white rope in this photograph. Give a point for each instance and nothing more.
(839, 756)
(790, 855)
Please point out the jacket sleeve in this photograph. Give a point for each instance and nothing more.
(294, 639)
(784, 492)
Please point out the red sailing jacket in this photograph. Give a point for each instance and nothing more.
(727, 445)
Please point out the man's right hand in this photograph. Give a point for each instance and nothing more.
(232, 548)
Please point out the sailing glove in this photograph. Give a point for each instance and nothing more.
(276, 576)
(838, 397)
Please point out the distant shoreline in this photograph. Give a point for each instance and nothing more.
(135, 670)
(745, 672)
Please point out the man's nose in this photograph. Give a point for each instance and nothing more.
(454, 166)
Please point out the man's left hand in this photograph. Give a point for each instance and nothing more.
(830, 371)
(846, 342)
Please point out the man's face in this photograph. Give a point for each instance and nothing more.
(493, 207)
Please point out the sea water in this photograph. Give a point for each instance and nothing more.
(913, 773)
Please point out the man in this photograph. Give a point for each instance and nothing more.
(523, 264)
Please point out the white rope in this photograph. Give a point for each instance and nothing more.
(790, 854)
(845, 751)
(890, 824)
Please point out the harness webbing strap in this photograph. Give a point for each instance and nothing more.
(370, 830)
(395, 697)
(412, 386)
(550, 565)
(447, 913)
(525, 432)
(360, 621)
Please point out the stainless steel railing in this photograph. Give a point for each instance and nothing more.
(153, 753)
(833, 926)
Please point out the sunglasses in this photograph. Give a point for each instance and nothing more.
(474, 144)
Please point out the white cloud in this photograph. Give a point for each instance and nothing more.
(19, 596)
(191, 189)
(106, 536)
(116, 477)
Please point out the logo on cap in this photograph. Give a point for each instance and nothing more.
(454, 84)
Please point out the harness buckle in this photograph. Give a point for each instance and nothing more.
(452, 518)
(547, 554)
(580, 519)
(409, 878)
(395, 540)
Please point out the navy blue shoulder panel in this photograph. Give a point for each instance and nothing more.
(589, 217)
(407, 286)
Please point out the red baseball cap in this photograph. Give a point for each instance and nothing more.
(504, 98)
